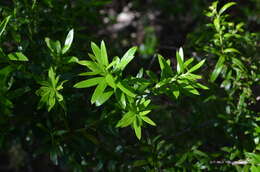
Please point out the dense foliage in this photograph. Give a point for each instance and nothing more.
(132, 101)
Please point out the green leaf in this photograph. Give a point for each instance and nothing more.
(231, 50)
(225, 7)
(148, 120)
(97, 53)
(186, 64)
(140, 73)
(98, 91)
(110, 81)
(176, 91)
(146, 102)
(89, 82)
(190, 76)
(126, 120)
(91, 65)
(143, 113)
(218, 68)
(165, 67)
(128, 56)
(137, 128)
(197, 66)
(54, 46)
(52, 77)
(180, 66)
(191, 89)
(18, 56)
(3, 25)
(120, 96)
(127, 90)
(104, 53)
(103, 98)
(181, 54)
(152, 75)
(72, 59)
(217, 24)
(123, 100)
(160, 59)
(114, 63)
(201, 86)
(88, 73)
(140, 163)
(68, 41)
(237, 62)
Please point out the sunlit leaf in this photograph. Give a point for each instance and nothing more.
(18, 56)
(226, 6)
(148, 120)
(68, 41)
(128, 56)
(197, 66)
(89, 82)
(124, 88)
(104, 53)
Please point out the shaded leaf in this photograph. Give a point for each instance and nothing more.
(217, 69)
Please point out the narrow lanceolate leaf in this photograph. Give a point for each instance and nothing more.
(114, 63)
(88, 73)
(148, 120)
(197, 66)
(160, 59)
(3, 25)
(126, 120)
(187, 63)
(191, 90)
(201, 86)
(165, 67)
(218, 68)
(98, 91)
(217, 24)
(176, 91)
(51, 75)
(18, 56)
(68, 41)
(97, 52)
(120, 96)
(103, 98)
(143, 113)
(180, 66)
(94, 67)
(239, 63)
(110, 81)
(126, 89)
(89, 82)
(181, 54)
(137, 128)
(128, 56)
(104, 53)
(231, 50)
(226, 6)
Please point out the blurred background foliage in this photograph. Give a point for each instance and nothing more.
(216, 131)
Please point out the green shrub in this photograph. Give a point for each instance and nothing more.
(79, 112)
